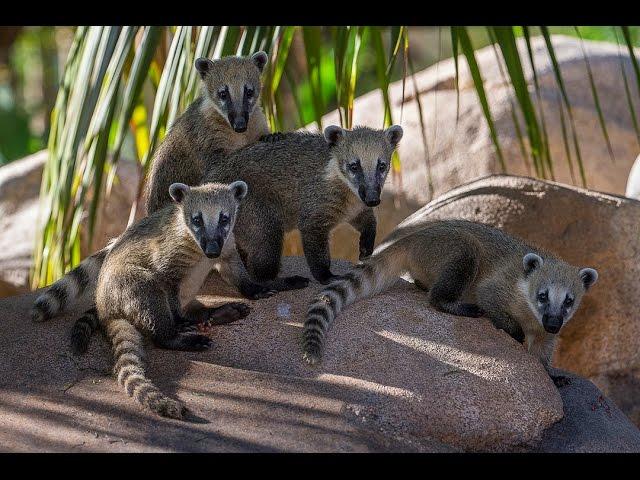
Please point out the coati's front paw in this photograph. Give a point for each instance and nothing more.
(272, 137)
(227, 313)
(186, 327)
(326, 277)
(295, 282)
(194, 342)
(560, 380)
(254, 291)
(470, 310)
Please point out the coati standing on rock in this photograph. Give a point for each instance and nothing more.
(227, 116)
(152, 269)
(311, 182)
(469, 269)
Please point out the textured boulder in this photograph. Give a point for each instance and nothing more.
(19, 205)
(397, 376)
(592, 423)
(459, 153)
(588, 228)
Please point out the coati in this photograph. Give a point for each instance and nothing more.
(152, 269)
(311, 182)
(227, 116)
(469, 269)
(215, 124)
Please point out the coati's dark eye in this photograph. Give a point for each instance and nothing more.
(568, 301)
(196, 220)
(543, 297)
(222, 94)
(382, 166)
(249, 91)
(224, 219)
(353, 167)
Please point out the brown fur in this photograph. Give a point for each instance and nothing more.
(148, 275)
(203, 134)
(302, 182)
(468, 269)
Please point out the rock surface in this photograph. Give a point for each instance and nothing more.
(459, 153)
(592, 423)
(19, 208)
(397, 376)
(602, 341)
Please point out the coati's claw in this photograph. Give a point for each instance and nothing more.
(272, 137)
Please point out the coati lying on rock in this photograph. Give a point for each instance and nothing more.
(468, 269)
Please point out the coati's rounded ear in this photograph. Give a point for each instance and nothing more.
(333, 134)
(239, 189)
(178, 191)
(589, 276)
(203, 66)
(394, 134)
(531, 261)
(260, 59)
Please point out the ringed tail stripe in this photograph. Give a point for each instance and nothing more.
(369, 278)
(62, 295)
(82, 331)
(129, 369)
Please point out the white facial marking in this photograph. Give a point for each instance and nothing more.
(523, 287)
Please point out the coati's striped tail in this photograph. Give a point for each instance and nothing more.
(128, 352)
(61, 296)
(82, 331)
(364, 280)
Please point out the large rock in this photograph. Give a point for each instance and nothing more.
(463, 151)
(19, 207)
(592, 423)
(397, 376)
(584, 227)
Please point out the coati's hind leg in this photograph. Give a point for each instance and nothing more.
(261, 257)
(152, 313)
(454, 278)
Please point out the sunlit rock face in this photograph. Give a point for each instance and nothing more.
(396, 366)
(396, 376)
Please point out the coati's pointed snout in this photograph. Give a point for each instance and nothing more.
(552, 323)
(370, 197)
(212, 248)
(239, 122)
